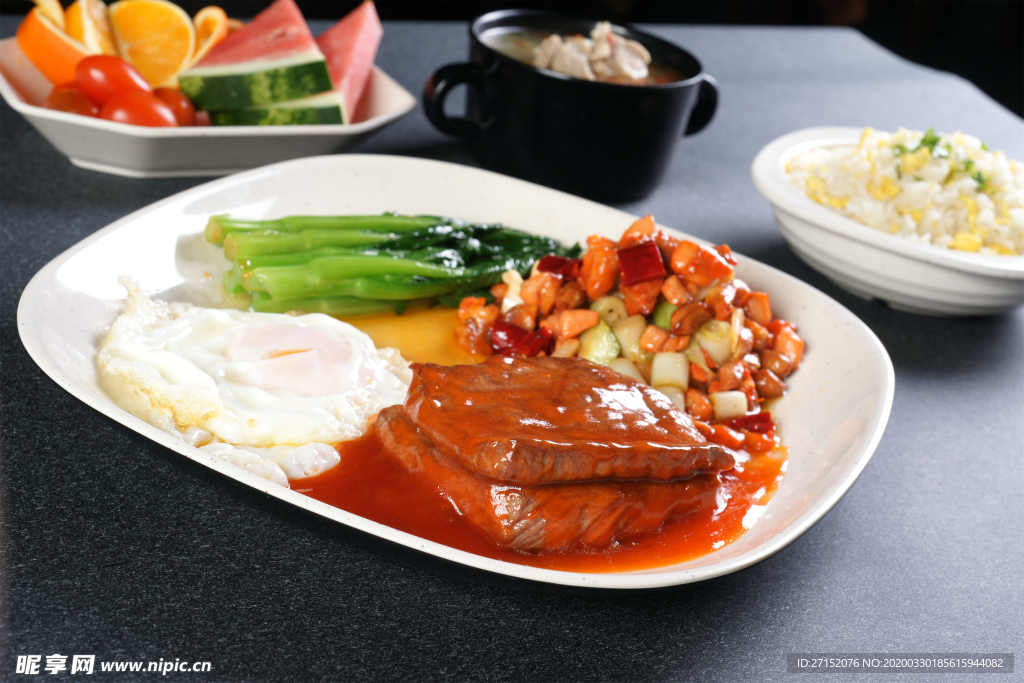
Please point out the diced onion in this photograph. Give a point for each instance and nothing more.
(729, 404)
(624, 366)
(512, 298)
(713, 337)
(670, 369)
(674, 394)
(735, 323)
(694, 355)
(628, 332)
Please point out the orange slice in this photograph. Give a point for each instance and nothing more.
(52, 10)
(156, 36)
(86, 22)
(234, 25)
(49, 48)
(211, 27)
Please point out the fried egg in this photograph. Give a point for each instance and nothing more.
(268, 392)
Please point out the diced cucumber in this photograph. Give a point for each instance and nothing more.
(599, 345)
(610, 308)
(663, 314)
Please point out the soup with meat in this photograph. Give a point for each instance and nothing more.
(603, 56)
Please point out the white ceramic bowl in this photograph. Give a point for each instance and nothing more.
(831, 418)
(140, 152)
(872, 264)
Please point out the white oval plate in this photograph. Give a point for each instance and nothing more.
(872, 264)
(140, 152)
(831, 419)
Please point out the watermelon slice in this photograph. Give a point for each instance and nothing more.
(325, 107)
(350, 47)
(271, 59)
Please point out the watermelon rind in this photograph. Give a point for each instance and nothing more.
(325, 107)
(257, 83)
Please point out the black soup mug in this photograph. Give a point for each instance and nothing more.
(608, 141)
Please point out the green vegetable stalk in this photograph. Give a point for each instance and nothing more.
(360, 265)
(221, 226)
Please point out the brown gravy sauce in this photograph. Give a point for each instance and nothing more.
(370, 483)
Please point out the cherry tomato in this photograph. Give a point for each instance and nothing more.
(179, 103)
(202, 118)
(138, 109)
(70, 98)
(103, 76)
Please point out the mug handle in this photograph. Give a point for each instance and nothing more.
(704, 110)
(439, 85)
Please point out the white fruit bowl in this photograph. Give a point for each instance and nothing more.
(140, 152)
(908, 276)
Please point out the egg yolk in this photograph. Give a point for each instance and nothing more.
(307, 361)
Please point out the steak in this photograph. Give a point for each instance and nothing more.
(559, 516)
(547, 420)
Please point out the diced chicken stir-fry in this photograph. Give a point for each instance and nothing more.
(602, 57)
(665, 312)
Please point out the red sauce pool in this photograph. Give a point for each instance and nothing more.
(371, 484)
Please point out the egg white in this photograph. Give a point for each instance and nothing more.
(268, 392)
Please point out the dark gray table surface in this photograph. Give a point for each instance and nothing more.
(114, 546)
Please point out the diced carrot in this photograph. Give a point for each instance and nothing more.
(499, 291)
(698, 374)
(596, 241)
(726, 253)
(724, 436)
(666, 243)
(699, 264)
(570, 323)
(641, 297)
(720, 299)
(702, 426)
(757, 443)
(698, 404)
(469, 306)
(642, 230)
(777, 324)
(674, 291)
(758, 308)
(653, 339)
(541, 290)
(600, 270)
(742, 292)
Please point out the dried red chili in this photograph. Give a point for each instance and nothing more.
(641, 263)
(562, 266)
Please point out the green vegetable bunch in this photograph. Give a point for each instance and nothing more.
(360, 265)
